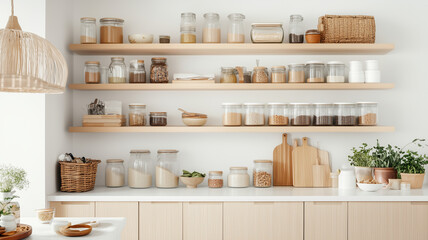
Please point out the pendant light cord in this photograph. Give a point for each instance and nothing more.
(12, 7)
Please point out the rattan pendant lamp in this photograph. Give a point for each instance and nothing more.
(28, 62)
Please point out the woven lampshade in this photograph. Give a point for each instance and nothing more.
(29, 63)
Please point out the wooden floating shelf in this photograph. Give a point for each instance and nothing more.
(222, 129)
(232, 49)
(234, 86)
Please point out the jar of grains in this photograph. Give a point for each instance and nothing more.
(262, 173)
(111, 30)
(367, 113)
(158, 119)
(211, 32)
(167, 169)
(236, 33)
(117, 70)
(345, 114)
(260, 75)
(137, 114)
(92, 72)
(228, 75)
(137, 71)
(254, 114)
(278, 74)
(296, 73)
(140, 169)
(115, 173)
(88, 30)
(315, 72)
(159, 70)
(277, 114)
(232, 115)
(215, 179)
(188, 28)
(238, 177)
(323, 114)
(301, 114)
(335, 72)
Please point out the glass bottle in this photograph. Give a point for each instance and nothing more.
(159, 70)
(140, 169)
(88, 30)
(211, 32)
(188, 28)
(167, 169)
(215, 179)
(92, 72)
(262, 173)
(236, 33)
(296, 29)
(137, 71)
(137, 114)
(115, 173)
(228, 75)
(117, 70)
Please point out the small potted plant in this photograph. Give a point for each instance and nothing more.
(411, 168)
(385, 161)
(362, 160)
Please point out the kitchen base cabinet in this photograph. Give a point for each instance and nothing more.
(326, 220)
(263, 220)
(73, 209)
(128, 210)
(161, 220)
(202, 221)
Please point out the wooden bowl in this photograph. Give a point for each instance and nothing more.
(194, 121)
(192, 182)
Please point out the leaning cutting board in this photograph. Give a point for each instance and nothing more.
(282, 166)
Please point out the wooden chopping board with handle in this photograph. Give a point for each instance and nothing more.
(282, 166)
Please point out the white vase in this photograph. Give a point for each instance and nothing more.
(15, 208)
(4, 195)
(8, 222)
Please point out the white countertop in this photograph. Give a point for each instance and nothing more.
(205, 194)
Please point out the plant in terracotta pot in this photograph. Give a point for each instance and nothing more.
(362, 160)
(411, 168)
(385, 161)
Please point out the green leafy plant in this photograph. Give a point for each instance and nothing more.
(412, 161)
(193, 174)
(12, 178)
(6, 207)
(361, 157)
(386, 157)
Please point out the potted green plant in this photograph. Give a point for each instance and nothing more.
(411, 168)
(362, 160)
(7, 217)
(385, 161)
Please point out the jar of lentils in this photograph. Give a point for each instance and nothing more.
(215, 179)
(159, 70)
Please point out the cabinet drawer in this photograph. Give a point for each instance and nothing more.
(128, 210)
(326, 220)
(202, 221)
(73, 209)
(161, 220)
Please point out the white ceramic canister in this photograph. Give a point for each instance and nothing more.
(356, 73)
(8, 222)
(372, 73)
(347, 180)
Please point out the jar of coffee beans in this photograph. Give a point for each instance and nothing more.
(159, 70)
(345, 114)
(323, 114)
(301, 114)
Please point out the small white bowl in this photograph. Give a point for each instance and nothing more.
(140, 38)
(370, 187)
(57, 224)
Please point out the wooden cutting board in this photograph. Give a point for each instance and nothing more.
(282, 166)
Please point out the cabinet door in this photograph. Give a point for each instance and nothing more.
(161, 221)
(202, 221)
(128, 210)
(263, 220)
(73, 209)
(326, 220)
(419, 221)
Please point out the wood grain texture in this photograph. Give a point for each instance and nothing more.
(282, 164)
(326, 220)
(128, 210)
(73, 209)
(160, 221)
(202, 221)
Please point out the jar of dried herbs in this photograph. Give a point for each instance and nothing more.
(159, 70)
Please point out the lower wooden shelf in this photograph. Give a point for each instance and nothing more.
(222, 129)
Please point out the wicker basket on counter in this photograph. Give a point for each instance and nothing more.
(347, 29)
(78, 177)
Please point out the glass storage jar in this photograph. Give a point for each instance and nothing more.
(238, 177)
(278, 114)
(315, 72)
(254, 114)
(367, 113)
(88, 30)
(137, 71)
(345, 114)
(301, 114)
(137, 114)
(260, 75)
(262, 173)
(232, 115)
(335, 72)
(117, 70)
(159, 70)
(92, 72)
(267, 33)
(111, 30)
(323, 114)
(278, 74)
(167, 169)
(140, 169)
(164, 39)
(296, 73)
(236, 33)
(158, 119)
(188, 28)
(228, 75)
(215, 179)
(296, 28)
(211, 32)
(115, 173)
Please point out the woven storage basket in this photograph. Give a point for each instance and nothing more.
(78, 177)
(347, 29)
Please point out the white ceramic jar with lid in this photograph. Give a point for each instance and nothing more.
(238, 177)
(140, 169)
(267, 33)
(115, 173)
(372, 73)
(347, 180)
(236, 33)
(211, 32)
(335, 72)
(367, 113)
(262, 173)
(88, 30)
(356, 73)
(232, 115)
(167, 169)
(254, 114)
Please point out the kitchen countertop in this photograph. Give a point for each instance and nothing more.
(205, 194)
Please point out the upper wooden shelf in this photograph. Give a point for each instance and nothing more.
(232, 49)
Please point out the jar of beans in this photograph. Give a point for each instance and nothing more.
(296, 73)
(232, 115)
(262, 173)
(277, 114)
(367, 113)
(92, 72)
(323, 114)
(260, 75)
(215, 179)
(254, 114)
(159, 70)
(345, 114)
(278, 74)
(315, 72)
(301, 114)
(158, 119)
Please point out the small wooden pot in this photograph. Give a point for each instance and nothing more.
(416, 180)
(382, 175)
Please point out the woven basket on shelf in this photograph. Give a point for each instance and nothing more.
(347, 29)
(78, 177)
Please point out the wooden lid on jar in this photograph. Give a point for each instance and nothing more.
(167, 151)
(92, 62)
(140, 151)
(215, 172)
(114, 161)
(263, 161)
(238, 168)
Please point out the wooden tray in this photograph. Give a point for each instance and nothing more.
(22, 231)
(103, 121)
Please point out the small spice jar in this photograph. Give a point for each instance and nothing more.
(164, 39)
(115, 173)
(137, 114)
(92, 72)
(88, 30)
(211, 32)
(262, 173)
(188, 28)
(140, 169)
(278, 74)
(137, 72)
(260, 75)
(345, 114)
(232, 115)
(277, 114)
(296, 29)
(335, 72)
(301, 114)
(367, 113)
(215, 179)
(315, 72)
(313, 36)
(296, 73)
(158, 119)
(111, 30)
(238, 177)
(159, 70)
(228, 75)
(254, 114)
(323, 114)
(117, 70)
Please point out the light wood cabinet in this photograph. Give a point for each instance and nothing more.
(161, 220)
(128, 210)
(263, 220)
(202, 221)
(73, 209)
(419, 221)
(326, 220)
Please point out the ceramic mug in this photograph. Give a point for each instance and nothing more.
(394, 184)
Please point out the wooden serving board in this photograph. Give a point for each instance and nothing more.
(103, 121)
(22, 231)
(282, 164)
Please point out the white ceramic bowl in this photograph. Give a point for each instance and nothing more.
(370, 187)
(140, 38)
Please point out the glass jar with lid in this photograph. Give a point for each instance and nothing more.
(215, 179)
(323, 114)
(88, 30)
(296, 29)
(345, 114)
(117, 70)
(137, 71)
(315, 72)
(228, 75)
(232, 115)
(278, 74)
(137, 114)
(262, 173)
(211, 32)
(238, 177)
(267, 33)
(335, 72)
(167, 169)
(260, 75)
(140, 169)
(159, 70)
(301, 114)
(115, 173)
(367, 113)
(254, 114)
(92, 72)
(236, 33)
(278, 114)
(158, 118)
(111, 30)
(296, 73)
(188, 28)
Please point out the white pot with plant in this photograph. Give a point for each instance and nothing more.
(7, 219)
(362, 160)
